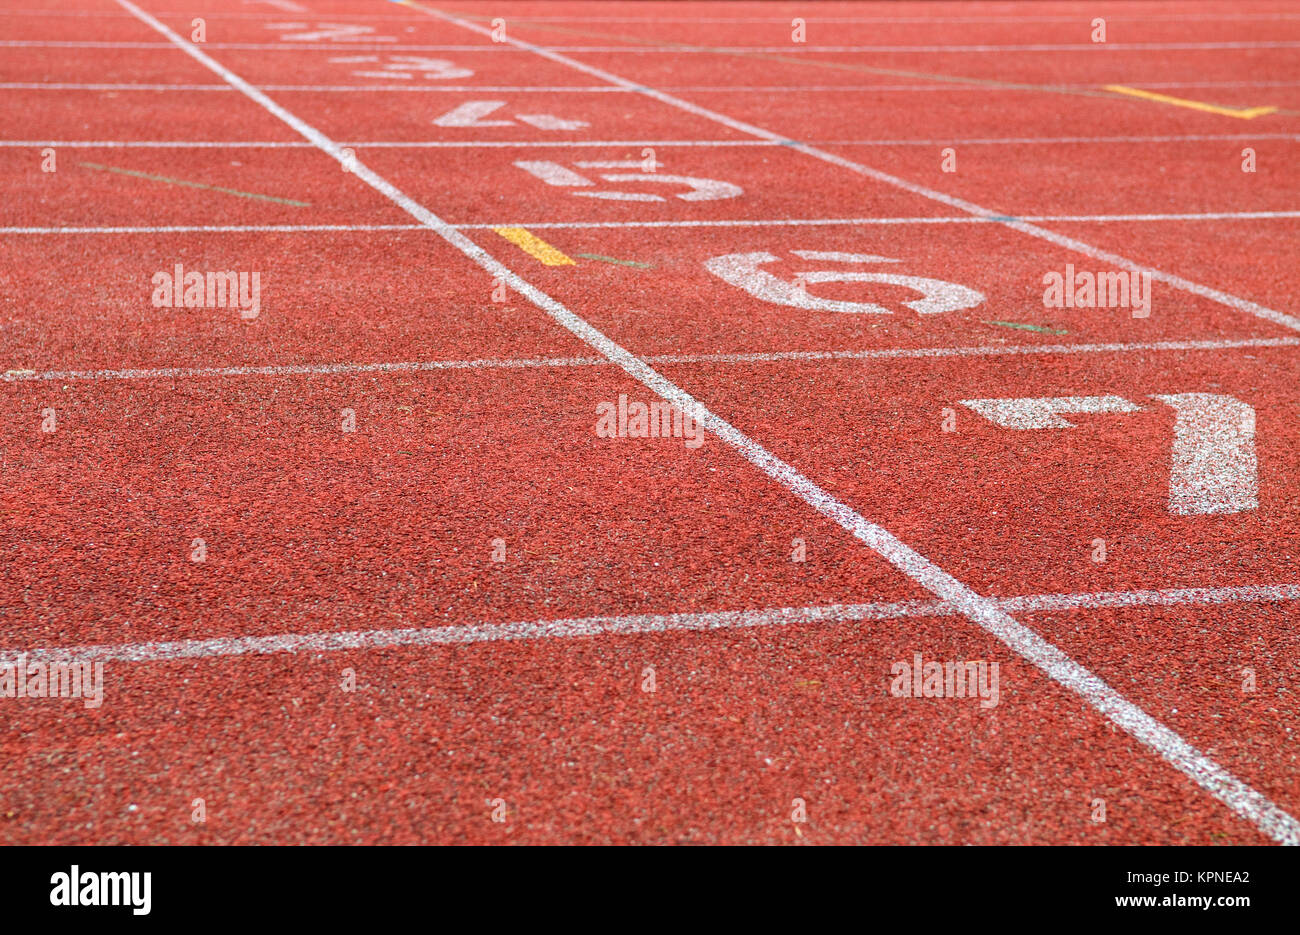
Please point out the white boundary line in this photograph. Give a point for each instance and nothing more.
(755, 357)
(936, 85)
(732, 222)
(1090, 47)
(457, 89)
(1069, 243)
(626, 624)
(1237, 795)
(1125, 17)
(941, 219)
(531, 144)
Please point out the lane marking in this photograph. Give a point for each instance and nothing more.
(610, 259)
(517, 89)
(534, 246)
(1237, 795)
(626, 624)
(530, 144)
(1241, 113)
(289, 370)
(756, 357)
(895, 353)
(1127, 17)
(1069, 243)
(1096, 48)
(750, 53)
(182, 182)
(561, 225)
(605, 89)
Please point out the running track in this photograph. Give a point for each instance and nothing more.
(447, 296)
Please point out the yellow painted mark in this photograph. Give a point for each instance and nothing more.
(1242, 113)
(534, 246)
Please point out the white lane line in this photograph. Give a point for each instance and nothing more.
(579, 225)
(984, 611)
(941, 219)
(1126, 17)
(627, 624)
(461, 89)
(258, 46)
(1069, 243)
(1166, 597)
(937, 85)
(59, 86)
(214, 229)
(755, 357)
(1091, 47)
(897, 353)
(1017, 17)
(530, 144)
(289, 370)
(163, 144)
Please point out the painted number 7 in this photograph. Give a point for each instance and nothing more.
(1214, 468)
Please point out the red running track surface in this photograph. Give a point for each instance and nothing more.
(360, 568)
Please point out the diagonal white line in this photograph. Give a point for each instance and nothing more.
(1243, 799)
(1069, 243)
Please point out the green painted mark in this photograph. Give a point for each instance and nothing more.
(211, 188)
(1021, 326)
(610, 259)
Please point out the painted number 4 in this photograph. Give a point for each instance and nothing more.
(1214, 468)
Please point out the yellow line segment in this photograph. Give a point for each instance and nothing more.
(1242, 113)
(534, 246)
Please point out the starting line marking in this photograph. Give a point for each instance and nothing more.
(758, 357)
(534, 246)
(1241, 113)
(633, 623)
